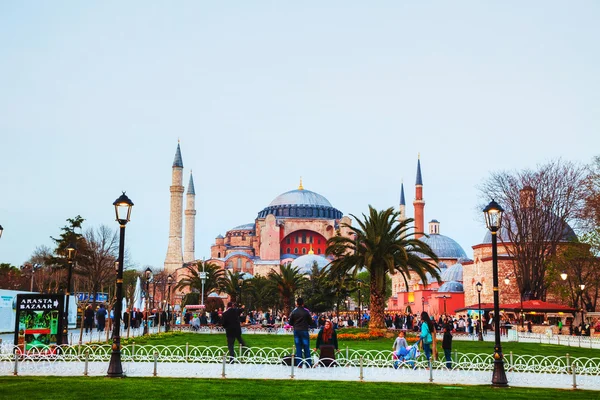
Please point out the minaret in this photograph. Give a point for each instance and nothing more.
(402, 208)
(190, 222)
(419, 203)
(174, 257)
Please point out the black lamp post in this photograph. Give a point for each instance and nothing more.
(479, 287)
(167, 322)
(493, 219)
(71, 253)
(360, 282)
(123, 211)
(240, 285)
(582, 287)
(148, 274)
(1, 230)
(444, 297)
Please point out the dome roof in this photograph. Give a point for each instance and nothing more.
(301, 203)
(300, 197)
(453, 273)
(451, 287)
(306, 262)
(245, 227)
(444, 247)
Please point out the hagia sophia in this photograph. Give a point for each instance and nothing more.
(295, 226)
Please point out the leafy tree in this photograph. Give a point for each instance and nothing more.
(214, 278)
(233, 284)
(381, 245)
(539, 205)
(319, 290)
(287, 282)
(12, 278)
(262, 293)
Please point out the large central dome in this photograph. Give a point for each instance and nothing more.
(300, 197)
(301, 203)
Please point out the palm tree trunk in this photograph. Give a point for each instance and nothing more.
(377, 309)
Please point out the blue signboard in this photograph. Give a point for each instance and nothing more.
(100, 297)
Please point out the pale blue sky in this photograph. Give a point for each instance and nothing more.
(93, 96)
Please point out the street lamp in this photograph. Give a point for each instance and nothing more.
(123, 212)
(167, 322)
(444, 297)
(71, 252)
(479, 287)
(148, 275)
(563, 276)
(493, 220)
(203, 280)
(360, 282)
(582, 287)
(1, 230)
(240, 283)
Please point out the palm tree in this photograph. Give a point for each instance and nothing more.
(382, 245)
(287, 281)
(214, 277)
(233, 283)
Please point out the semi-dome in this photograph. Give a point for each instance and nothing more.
(305, 263)
(444, 247)
(245, 227)
(301, 203)
(451, 287)
(453, 273)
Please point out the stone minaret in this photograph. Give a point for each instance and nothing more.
(174, 257)
(402, 209)
(190, 222)
(419, 203)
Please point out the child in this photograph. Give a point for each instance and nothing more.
(447, 346)
(400, 343)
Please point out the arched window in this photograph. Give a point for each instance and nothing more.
(295, 250)
(239, 264)
(288, 250)
(248, 265)
(318, 251)
(219, 255)
(288, 240)
(304, 250)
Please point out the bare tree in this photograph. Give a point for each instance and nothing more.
(539, 206)
(96, 258)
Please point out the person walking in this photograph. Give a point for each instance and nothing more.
(447, 346)
(427, 333)
(88, 319)
(233, 328)
(101, 318)
(300, 320)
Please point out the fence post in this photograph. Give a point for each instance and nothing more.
(16, 370)
(430, 371)
(187, 351)
(224, 362)
(573, 369)
(240, 353)
(511, 361)
(87, 359)
(568, 362)
(347, 354)
(579, 338)
(155, 363)
(362, 376)
(133, 350)
(455, 356)
(293, 363)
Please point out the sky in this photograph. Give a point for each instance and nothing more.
(94, 97)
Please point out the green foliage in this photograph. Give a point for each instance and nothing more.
(213, 303)
(319, 291)
(381, 245)
(191, 298)
(214, 278)
(261, 294)
(287, 281)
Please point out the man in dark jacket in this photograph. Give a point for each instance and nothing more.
(300, 319)
(233, 329)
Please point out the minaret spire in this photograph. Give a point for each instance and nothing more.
(419, 203)
(402, 207)
(174, 257)
(190, 223)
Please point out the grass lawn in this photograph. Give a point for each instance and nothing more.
(287, 341)
(20, 387)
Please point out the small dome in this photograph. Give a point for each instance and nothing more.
(213, 294)
(220, 237)
(453, 273)
(306, 262)
(444, 247)
(451, 287)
